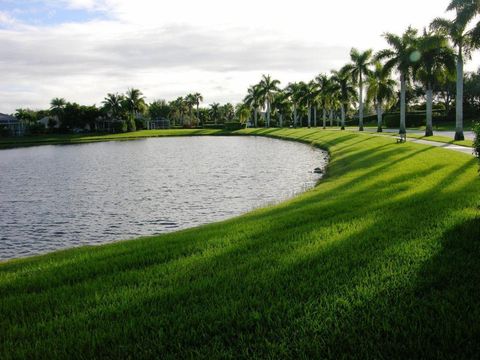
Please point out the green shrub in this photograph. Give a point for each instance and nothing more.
(413, 119)
(36, 129)
(140, 124)
(231, 126)
(213, 126)
(4, 131)
(131, 124)
(371, 120)
(119, 126)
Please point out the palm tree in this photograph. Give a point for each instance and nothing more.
(198, 98)
(242, 111)
(113, 105)
(253, 99)
(178, 109)
(295, 93)
(380, 90)
(227, 112)
(281, 103)
(135, 101)
(437, 57)
(268, 88)
(57, 107)
(323, 83)
(358, 69)
(214, 112)
(311, 101)
(342, 81)
(190, 101)
(401, 56)
(456, 30)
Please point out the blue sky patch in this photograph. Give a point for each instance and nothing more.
(44, 13)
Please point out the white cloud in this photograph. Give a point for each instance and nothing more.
(170, 48)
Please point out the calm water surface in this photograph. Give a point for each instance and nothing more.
(56, 197)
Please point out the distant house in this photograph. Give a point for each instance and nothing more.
(50, 122)
(107, 124)
(12, 125)
(160, 123)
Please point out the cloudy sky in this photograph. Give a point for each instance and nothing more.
(83, 49)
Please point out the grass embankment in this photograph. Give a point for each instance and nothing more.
(63, 139)
(380, 260)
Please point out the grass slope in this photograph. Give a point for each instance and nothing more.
(64, 139)
(380, 260)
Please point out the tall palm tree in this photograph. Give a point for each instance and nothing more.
(437, 57)
(135, 101)
(295, 93)
(198, 98)
(402, 55)
(456, 30)
(268, 88)
(312, 100)
(178, 109)
(281, 103)
(57, 108)
(343, 85)
(359, 70)
(380, 90)
(253, 99)
(190, 103)
(112, 104)
(323, 83)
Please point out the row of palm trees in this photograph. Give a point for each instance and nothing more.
(427, 58)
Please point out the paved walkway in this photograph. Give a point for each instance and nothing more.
(469, 135)
(463, 149)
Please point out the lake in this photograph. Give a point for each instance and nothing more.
(57, 197)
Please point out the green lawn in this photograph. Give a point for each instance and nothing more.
(380, 260)
(11, 142)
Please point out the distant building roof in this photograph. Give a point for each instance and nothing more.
(7, 119)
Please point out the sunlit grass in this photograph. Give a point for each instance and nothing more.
(380, 260)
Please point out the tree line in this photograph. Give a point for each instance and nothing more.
(431, 83)
(430, 67)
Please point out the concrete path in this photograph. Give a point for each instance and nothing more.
(463, 149)
(469, 135)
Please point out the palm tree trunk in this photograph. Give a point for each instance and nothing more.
(360, 115)
(324, 118)
(198, 116)
(281, 120)
(331, 117)
(342, 108)
(379, 117)
(268, 113)
(429, 128)
(403, 105)
(459, 98)
(295, 119)
(309, 116)
(315, 116)
(256, 117)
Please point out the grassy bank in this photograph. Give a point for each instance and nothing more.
(380, 260)
(64, 139)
